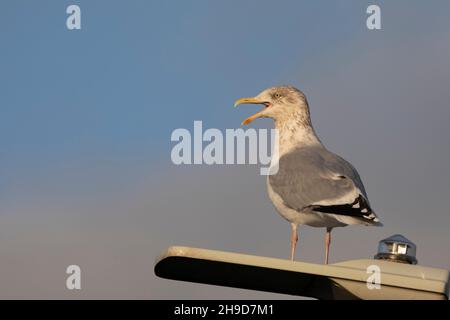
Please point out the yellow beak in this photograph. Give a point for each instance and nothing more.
(249, 101)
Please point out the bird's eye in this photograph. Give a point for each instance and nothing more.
(277, 95)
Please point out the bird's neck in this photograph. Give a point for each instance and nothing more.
(296, 131)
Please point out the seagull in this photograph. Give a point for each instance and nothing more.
(312, 186)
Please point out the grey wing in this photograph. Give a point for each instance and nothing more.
(340, 166)
(316, 179)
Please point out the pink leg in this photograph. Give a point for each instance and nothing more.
(327, 244)
(294, 239)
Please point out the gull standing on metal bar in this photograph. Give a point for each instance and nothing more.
(313, 186)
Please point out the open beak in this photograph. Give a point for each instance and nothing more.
(252, 101)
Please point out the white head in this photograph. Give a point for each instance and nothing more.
(281, 103)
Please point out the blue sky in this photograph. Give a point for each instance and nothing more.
(86, 118)
(112, 86)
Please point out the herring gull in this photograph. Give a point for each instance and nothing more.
(312, 186)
